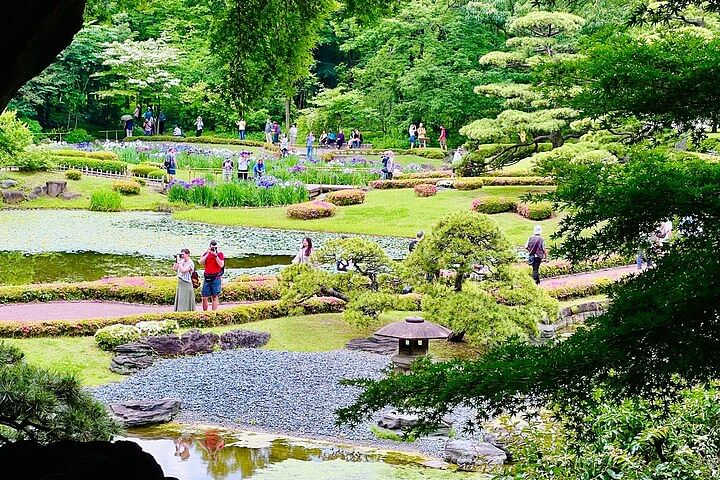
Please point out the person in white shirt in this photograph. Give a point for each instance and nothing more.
(284, 150)
(243, 166)
(241, 124)
(293, 135)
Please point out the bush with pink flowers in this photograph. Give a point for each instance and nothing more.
(311, 210)
(425, 190)
(342, 198)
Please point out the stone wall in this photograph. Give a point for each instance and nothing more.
(573, 315)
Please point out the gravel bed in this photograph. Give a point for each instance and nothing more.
(290, 393)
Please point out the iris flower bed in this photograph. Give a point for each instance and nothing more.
(266, 193)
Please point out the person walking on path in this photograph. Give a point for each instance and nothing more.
(268, 131)
(388, 164)
(243, 167)
(422, 136)
(443, 139)
(184, 293)
(536, 252)
(241, 124)
(214, 262)
(412, 132)
(199, 125)
(309, 144)
(275, 132)
(303, 256)
(129, 125)
(259, 168)
(284, 146)
(161, 123)
(227, 169)
(293, 135)
(170, 163)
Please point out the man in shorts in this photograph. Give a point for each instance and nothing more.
(214, 262)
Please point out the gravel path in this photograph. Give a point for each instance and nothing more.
(586, 278)
(38, 312)
(288, 393)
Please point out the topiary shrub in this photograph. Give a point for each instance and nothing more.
(311, 210)
(110, 337)
(152, 328)
(77, 135)
(535, 211)
(33, 160)
(468, 184)
(431, 153)
(432, 174)
(492, 205)
(105, 201)
(73, 174)
(425, 190)
(86, 163)
(149, 171)
(346, 197)
(126, 187)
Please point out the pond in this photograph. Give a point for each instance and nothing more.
(218, 455)
(75, 245)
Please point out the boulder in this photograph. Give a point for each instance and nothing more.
(38, 190)
(12, 196)
(69, 195)
(472, 453)
(243, 339)
(444, 184)
(31, 196)
(8, 184)
(396, 421)
(144, 413)
(194, 342)
(55, 188)
(131, 358)
(378, 345)
(165, 345)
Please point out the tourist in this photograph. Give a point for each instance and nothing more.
(148, 113)
(458, 155)
(536, 252)
(170, 163)
(644, 252)
(443, 139)
(309, 144)
(422, 135)
(323, 138)
(663, 235)
(268, 131)
(355, 139)
(147, 127)
(412, 132)
(388, 164)
(129, 125)
(284, 145)
(303, 256)
(214, 262)
(184, 293)
(331, 138)
(136, 113)
(414, 242)
(199, 125)
(243, 166)
(161, 123)
(177, 131)
(275, 129)
(340, 139)
(227, 169)
(259, 168)
(241, 124)
(293, 135)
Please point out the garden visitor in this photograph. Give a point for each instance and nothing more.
(331, 138)
(243, 166)
(148, 113)
(136, 113)
(663, 234)
(443, 139)
(422, 136)
(129, 125)
(303, 256)
(536, 252)
(412, 132)
(214, 262)
(259, 168)
(177, 131)
(268, 131)
(414, 242)
(170, 163)
(161, 123)
(458, 155)
(293, 135)
(275, 132)
(199, 125)
(340, 139)
(147, 127)
(227, 169)
(184, 293)
(284, 147)
(323, 138)
(355, 139)
(388, 164)
(241, 124)
(644, 252)
(309, 144)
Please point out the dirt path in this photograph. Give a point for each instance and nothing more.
(586, 278)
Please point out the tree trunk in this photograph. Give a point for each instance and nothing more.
(287, 114)
(459, 278)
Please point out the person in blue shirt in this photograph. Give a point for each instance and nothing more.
(148, 113)
(259, 168)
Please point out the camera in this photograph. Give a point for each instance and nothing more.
(213, 248)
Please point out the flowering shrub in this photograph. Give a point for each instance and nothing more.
(425, 190)
(346, 197)
(492, 205)
(311, 210)
(73, 174)
(126, 187)
(110, 337)
(468, 184)
(535, 211)
(162, 327)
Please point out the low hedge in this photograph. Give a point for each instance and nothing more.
(517, 181)
(73, 174)
(535, 211)
(147, 290)
(126, 187)
(403, 183)
(433, 174)
(491, 205)
(85, 163)
(208, 140)
(343, 198)
(602, 285)
(464, 183)
(469, 183)
(145, 170)
(515, 173)
(425, 190)
(559, 268)
(311, 210)
(99, 155)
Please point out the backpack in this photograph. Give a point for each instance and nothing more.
(195, 279)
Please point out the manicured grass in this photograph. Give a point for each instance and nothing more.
(385, 212)
(146, 200)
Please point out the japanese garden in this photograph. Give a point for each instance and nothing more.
(360, 239)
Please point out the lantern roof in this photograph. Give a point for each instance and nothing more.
(413, 328)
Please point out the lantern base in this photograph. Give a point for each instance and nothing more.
(402, 361)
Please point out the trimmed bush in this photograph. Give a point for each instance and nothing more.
(558, 268)
(112, 336)
(203, 139)
(433, 174)
(73, 174)
(32, 160)
(343, 198)
(85, 163)
(99, 155)
(517, 180)
(492, 205)
(405, 183)
(311, 210)
(469, 184)
(535, 211)
(425, 190)
(514, 173)
(126, 187)
(431, 153)
(149, 171)
(77, 135)
(601, 285)
(105, 201)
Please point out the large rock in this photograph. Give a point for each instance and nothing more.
(243, 339)
(194, 342)
(8, 184)
(378, 345)
(55, 188)
(396, 421)
(469, 453)
(69, 195)
(143, 413)
(131, 358)
(165, 345)
(12, 196)
(38, 190)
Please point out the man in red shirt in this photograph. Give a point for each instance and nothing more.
(214, 262)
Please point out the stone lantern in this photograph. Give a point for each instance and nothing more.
(414, 335)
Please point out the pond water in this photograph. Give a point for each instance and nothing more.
(218, 455)
(75, 245)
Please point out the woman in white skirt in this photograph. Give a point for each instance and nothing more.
(184, 294)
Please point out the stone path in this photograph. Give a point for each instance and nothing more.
(38, 312)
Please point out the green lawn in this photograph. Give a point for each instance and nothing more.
(385, 212)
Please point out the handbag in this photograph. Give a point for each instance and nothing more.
(531, 259)
(195, 279)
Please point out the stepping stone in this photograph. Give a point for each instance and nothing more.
(378, 345)
(143, 413)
